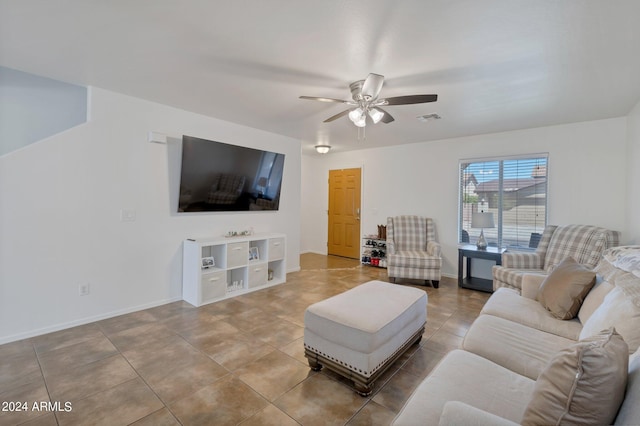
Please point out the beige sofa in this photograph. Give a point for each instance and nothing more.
(512, 352)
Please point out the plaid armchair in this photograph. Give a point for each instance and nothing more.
(585, 243)
(225, 189)
(412, 251)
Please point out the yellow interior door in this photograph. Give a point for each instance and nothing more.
(344, 213)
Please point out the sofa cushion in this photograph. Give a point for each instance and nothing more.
(625, 258)
(583, 384)
(508, 304)
(563, 291)
(471, 379)
(620, 309)
(629, 413)
(519, 348)
(594, 299)
(415, 259)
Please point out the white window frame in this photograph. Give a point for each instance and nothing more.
(498, 218)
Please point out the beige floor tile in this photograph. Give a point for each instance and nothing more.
(320, 400)
(89, 379)
(187, 379)
(129, 401)
(372, 414)
(143, 335)
(273, 374)
(71, 357)
(278, 333)
(397, 390)
(29, 393)
(237, 353)
(46, 419)
(422, 362)
(442, 342)
(17, 370)
(225, 402)
(162, 417)
(270, 416)
(295, 349)
(68, 337)
(124, 322)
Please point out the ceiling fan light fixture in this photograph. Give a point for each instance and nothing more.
(322, 149)
(356, 114)
(362, 121)
(376, 115)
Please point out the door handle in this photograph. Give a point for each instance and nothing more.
(358, 214)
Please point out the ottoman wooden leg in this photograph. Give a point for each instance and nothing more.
(314, 364)
(435, 283)
(362, 389)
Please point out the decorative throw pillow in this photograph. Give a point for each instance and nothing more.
(583, 384)
(593, 300)
(563, 291)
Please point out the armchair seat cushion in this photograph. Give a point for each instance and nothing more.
(415, 259)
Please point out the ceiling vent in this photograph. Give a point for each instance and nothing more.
(427, 117)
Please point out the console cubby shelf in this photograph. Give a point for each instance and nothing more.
(218, 268)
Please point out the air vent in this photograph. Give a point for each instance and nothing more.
(428, 117)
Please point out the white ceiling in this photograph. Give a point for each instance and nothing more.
(496, 65)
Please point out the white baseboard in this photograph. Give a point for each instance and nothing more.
(83, 321)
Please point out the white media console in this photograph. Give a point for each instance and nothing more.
(218, 268)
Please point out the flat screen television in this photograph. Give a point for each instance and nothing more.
(217, 176)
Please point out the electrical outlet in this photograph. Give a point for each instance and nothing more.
(127, 215)
(83, 289)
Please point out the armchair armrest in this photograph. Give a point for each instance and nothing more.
(522, 260)
(391, 247)
(459, 413)
(531, 284)
(433, 248)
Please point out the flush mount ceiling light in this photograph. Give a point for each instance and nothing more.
(323, 149)
(367, 104)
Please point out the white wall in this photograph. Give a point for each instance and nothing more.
(587, 176)
(33, 108)
(633, 175)
(60, 214)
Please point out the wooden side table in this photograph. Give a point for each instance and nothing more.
(470, 251)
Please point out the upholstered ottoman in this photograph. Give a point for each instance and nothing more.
(361, 332)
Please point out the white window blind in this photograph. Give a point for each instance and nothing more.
(514, 190)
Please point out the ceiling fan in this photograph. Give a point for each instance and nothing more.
(366, 102)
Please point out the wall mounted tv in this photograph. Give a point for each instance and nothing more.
(217, 176)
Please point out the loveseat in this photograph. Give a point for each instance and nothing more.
(520, 364)
(585, 243)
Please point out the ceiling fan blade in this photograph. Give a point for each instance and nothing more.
(338, 115)
(314, 98)
(372, 86)
(386, 118)
(410, 99)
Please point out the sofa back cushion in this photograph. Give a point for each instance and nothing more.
(594, 299)
(583, 384)
(585, 243)
(629, 413)
(620, 309)
(565, 288)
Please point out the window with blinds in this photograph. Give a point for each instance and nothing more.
(514, 190)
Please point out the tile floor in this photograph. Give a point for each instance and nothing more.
(239, 361)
